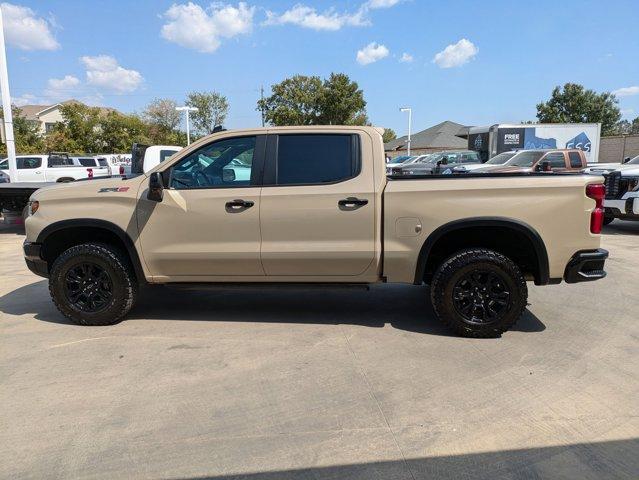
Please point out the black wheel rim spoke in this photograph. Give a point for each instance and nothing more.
(481, 296)
(88, 287)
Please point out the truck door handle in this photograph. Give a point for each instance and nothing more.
(351, 203)
(238, 205)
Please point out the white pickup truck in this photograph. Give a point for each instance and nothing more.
(53, 168)
(146, 157)
(622, 189)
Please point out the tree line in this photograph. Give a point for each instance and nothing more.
(298, 100)
(86, 129)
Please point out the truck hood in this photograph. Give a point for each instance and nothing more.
(630, 170)
(88, 188)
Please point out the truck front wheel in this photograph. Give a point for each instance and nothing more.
(479, 293)
(93, 284)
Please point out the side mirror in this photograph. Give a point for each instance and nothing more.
(156, 188)
(543, 167)
(626, 160)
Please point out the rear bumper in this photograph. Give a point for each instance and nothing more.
(35, 262)
(586, 266)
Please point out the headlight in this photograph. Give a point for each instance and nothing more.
(33, 207)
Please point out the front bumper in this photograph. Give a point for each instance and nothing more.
(586, 266)
(35, 262)
(628, 205)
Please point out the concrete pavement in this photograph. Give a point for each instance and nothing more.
(291, 384)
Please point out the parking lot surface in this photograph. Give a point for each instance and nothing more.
(285, 384)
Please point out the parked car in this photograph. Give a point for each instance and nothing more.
(498, 159)
(438, 163)
(540, 160)
(146, 157)
(55, 167)
(398, 161)
(622, 190)
(316, 209)
(4, 178)
(600, 168)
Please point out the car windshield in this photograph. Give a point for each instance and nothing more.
(501, 158)
(525, 159)
(401, 159)
(634, 161)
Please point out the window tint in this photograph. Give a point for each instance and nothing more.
(28, 163)
(4, 164)
(58, 161)
(525, 158)
(315, 159)
(164, 154)
(87, 162)
(103, 162)
(225, 163)
(556, 160)
(575, 159)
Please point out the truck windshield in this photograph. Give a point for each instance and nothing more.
(525, 159)
(501, 158)
(634, 161)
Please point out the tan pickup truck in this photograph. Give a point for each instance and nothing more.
(313, 205)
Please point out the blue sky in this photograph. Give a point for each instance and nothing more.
(502, 57)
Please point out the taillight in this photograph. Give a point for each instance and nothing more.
(90, 172)
(596, 191)
(121, 169)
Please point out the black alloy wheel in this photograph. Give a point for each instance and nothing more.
(88, 287)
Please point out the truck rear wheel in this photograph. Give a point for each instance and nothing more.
(93, 284)
(479, 293)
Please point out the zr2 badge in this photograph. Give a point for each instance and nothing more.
(113, 189)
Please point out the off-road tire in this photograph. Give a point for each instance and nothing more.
(118, 268)
(452, 270)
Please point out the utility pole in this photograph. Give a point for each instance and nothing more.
(188, 130)
(6, 106)
(410, 121)
(261, 103)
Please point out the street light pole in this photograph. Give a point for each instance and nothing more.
(188, 130)
(6, 107)
(410, 122)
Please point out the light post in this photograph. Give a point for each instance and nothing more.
(188, 131)
(6, 107)
(410, 121)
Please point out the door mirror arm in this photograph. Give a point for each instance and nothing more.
(156, 187)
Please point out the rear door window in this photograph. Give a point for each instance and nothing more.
(28, 163)
(316, 159)
(575, 160)
(556, 160)
(87, 162)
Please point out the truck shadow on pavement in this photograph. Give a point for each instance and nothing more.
(601, 460)
(405, 307)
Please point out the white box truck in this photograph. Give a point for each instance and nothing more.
(494, 139)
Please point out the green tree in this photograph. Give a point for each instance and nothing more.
(303, 100)
(79, 131)
(341, 102)
(389, 134)
(163, 121)
(26, 134)
(212, 108)
(634, 126)
(118, 132)
(573, 103)
(294, 101)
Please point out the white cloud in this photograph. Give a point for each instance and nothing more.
(308, 17)
(191, 26)
(24, 30)
(627, 91)
(371, 53)
(406, 58)
(381, 3)
(456, 55)
(104, 72)
(24, 99)
(627, 112)
(61, 88)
